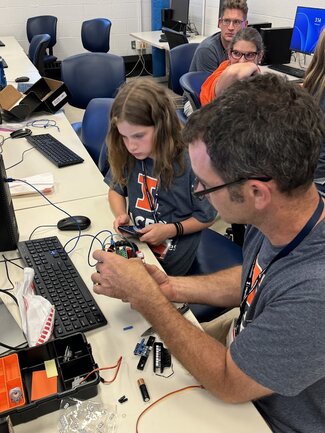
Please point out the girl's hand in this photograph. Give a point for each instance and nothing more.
(156, 234)
(121, 220)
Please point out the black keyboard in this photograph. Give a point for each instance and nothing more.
(299, 73)
(54, 150)
(163, 38)
(57, 280)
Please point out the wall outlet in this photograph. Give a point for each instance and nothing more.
(140, 45)
(133, 46)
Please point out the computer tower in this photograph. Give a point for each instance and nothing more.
(9, 234)
(276, 45)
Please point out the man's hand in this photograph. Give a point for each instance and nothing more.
(121, 278)
(163, 281)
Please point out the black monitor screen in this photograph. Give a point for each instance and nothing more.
(309, 22)
(180, 10)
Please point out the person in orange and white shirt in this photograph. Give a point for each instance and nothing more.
(245, 53)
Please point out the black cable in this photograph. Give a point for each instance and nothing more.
(22, 159)
(2, 143)
(38, 227)
(13, 297)
(10, 179)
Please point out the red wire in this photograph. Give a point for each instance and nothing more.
(117, 366)
(162, 398)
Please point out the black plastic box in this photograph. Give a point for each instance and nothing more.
(79, 364)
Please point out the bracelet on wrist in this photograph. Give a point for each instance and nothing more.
(179, 229)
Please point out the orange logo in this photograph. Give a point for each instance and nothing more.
(143, 202)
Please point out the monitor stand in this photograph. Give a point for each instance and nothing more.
(10, 332)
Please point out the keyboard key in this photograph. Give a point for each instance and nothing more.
(75, 307)
(57, 153)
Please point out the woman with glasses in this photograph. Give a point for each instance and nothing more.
(244, 54)
(150, 175)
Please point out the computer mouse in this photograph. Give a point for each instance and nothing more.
(22, 79)
(19, 133)
(74, 223)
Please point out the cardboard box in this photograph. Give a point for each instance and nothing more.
(53, 94)
(45, 95)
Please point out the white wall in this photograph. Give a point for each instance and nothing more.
(127, 16)
(278, 12)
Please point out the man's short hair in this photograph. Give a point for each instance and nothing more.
(261, 126)
(235, 4)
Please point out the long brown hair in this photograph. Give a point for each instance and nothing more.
(314, 81)
(147, 103)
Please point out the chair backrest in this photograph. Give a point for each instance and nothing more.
(174, 38)
(95, 125)
(215, 252)
(191, 83)
(95, 35)
(92, 75)
(180, 61)
(42, 24)
(37, 49)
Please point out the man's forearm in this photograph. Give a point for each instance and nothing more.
(221, 288)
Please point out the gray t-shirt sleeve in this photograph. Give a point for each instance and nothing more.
(205, 60)
(283, 348)
(209, 54)
(114, 186)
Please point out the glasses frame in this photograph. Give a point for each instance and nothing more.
(237, 24)
(244, 54)
(205, 191)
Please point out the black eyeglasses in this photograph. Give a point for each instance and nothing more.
(205, 191)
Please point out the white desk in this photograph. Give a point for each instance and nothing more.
(191, 411)
(80, 190)
(152, 38)
(11, 45)
(70, 183)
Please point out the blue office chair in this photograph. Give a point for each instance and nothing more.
(93, 129)
(180, 60)
(40, 25)
(92, 75)
(215, 252)
(95, 35)
(191, 83)
(103, 163)
(37, 50)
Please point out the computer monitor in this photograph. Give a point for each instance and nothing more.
(276, 42)
(180, 10)
(309, 22)
(9, 234)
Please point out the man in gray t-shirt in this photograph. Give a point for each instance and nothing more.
(254, 151)
(213, 50)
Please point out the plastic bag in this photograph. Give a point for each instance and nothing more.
(37, 313)
(86, 417)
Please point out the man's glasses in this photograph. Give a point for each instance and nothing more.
(205, 191)
(249, 56)
(227, 22)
